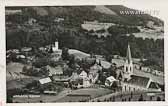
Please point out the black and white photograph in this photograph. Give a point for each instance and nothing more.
(88, 53)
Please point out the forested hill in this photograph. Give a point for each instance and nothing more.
(69, 33)
(78, 14)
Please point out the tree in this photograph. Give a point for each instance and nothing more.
(141, 98)
(65, 53)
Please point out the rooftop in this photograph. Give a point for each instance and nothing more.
(139, 81)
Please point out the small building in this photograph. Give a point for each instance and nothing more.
(150, 24)
(80, 80)
(56, 56)
(32, 21)
(93, 72)
(42, 48)
(55, 70)
(45, 80)
(95, 68)
(105, 64)
(20, 57)
(109, 81)
(58, 19)
(26, 49)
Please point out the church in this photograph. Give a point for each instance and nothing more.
(133, 82)
(128, 66)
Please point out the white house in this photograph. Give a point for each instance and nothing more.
(109, 81)
(80, 80)
(55, 70)
(45, 80)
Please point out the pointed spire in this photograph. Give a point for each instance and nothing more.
(128, 57)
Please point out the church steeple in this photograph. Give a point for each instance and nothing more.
(128, 66)
(128, 57)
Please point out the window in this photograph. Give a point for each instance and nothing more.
(126, 69)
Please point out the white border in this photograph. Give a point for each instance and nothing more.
(136, 4)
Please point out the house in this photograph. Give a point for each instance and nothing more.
(105, 64)
(80, 80)
(15, 51)
(50, 92)
(150, 24)
(58, 19)
(20, 57)
(42, 48)
(118, 62)
(83, 75)
(95, 68)
(26, 50)
(45, 80)
(32, 21)
(93, 72)
(56, 56)
(55, 70)
(109, 81)
(145, 69)
(61, 78)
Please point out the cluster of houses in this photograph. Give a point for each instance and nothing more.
(126, 79)
(80, 78)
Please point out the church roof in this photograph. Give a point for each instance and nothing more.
(139, 81)
(128, 57)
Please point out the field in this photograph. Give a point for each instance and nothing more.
(13, 71)
(147, 96)
(84, 94)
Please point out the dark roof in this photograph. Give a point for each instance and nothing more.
(154, 85)
(139, 81)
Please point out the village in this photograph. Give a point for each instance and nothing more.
(57, 54)
(69, 75)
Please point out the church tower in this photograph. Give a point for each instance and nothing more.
(56, 46)
(128, 66)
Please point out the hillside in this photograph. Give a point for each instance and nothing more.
(19, 33)
(82, 13)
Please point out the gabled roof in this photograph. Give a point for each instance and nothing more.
(139, 81)
(83, 74)
(111, 79)
(55, 70)
(45, 80)
(74, 76)
(154, 85)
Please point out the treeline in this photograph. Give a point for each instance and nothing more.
(77, 14)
